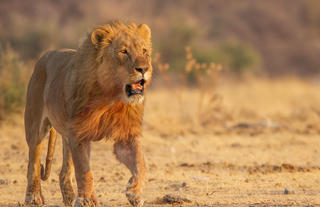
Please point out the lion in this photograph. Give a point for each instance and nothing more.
(89, 94)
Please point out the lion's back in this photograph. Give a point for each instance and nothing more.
(57, 60)
(48, 67)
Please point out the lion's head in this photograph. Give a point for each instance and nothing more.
(124, 54)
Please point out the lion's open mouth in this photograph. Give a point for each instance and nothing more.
(135, 88)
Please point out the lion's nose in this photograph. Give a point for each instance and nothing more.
(142, 70)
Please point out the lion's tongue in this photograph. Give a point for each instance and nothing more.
(136, 86)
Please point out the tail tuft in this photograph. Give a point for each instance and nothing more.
(43, 176)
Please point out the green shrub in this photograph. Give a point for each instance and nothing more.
(30, 43)
(13, 80)
(172, 45)
(234, 56)
(237, 57)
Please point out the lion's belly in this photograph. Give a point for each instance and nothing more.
(56, 116)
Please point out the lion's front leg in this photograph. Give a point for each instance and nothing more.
(84, 177)
(65, 175)
(129, 153)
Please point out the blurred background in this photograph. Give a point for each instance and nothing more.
(276, 37)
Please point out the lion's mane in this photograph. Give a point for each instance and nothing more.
(94, 120)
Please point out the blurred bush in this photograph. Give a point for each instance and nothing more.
(13, 81)
(30, 42)
(235, 56)
(172, 44)
(239, 56)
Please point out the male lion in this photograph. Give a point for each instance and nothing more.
(86, 95)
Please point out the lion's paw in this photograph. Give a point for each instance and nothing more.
(84, 202)
(68, 195)
(134, 199)
(34, 198)
(68, 199)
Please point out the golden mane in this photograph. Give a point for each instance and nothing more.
(119, 121)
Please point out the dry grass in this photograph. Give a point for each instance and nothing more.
(262, 140)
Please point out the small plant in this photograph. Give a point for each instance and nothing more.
(203, 77)
(161, 68)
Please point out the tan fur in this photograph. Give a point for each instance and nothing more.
(81, 94)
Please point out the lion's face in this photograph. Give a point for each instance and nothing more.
(126, 62)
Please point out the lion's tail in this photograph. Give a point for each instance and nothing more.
(45, 172)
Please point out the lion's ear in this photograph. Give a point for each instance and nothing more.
(101, 36)
(144, 31)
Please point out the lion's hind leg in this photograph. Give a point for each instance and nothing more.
(36, 127)
(35, 140)
(33, 193)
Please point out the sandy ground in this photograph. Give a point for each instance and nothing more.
(258, 146)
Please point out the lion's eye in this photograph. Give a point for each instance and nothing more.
(144, 51)
(124, 51)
